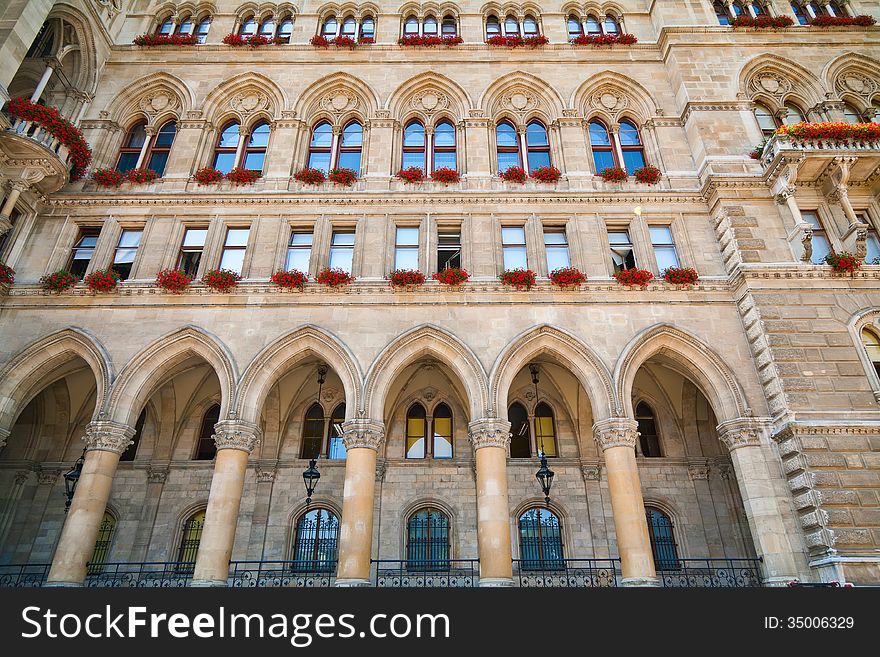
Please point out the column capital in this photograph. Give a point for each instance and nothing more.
(5, 227)
(363, 432)
(616, 432)
(106, 436)
(489, 432)
(237, 434)
(741, 432)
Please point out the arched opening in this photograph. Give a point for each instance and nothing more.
(427, 540)
(226, 148)
(102, 546)
(649, 440)
(131, 451)
(414, 143)
(872, 347)
(540, 540)
(315, 542)
(206, 448)
(190, 539)
(507, 145)
(520, 432)
(663, 544)
(320, 147)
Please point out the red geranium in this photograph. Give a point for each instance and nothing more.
(446, 175)
(832, 130)
(173, 280)
(334, 277)
(102, 280)
(221, 280)
(546, 174)
(310, 176)
(516, 41)
(648, 175)
(58, 281)
(141, 176)
(290, 279)
(762, 22)
(345, 42)
(241, 176)
(843, 262)
(406, 278)
(634, 277)
(411, 175)
(253, 41)
(208, 176)
(613, 174)
(451, 276)
(513, 174)
(521, 279)
(343, 176)
(567, 277)
(50, 119)
(108, 177)
(597, 40)
(842, 21)
(367, 41)
(680, 275)
(320, 41)
(166, 40)
(7, 274)
(758, 151)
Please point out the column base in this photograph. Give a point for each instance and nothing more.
(495, 582)
(63, 585)
(208, 583)
(348, 583)
(640, 581)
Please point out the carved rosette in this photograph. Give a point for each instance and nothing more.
(363, 433)
(616, 432)
(106, 436)
(740, 433)
(489, 432)
(236, 434)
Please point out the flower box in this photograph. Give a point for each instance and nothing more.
(446, 175)
(166, 40)
(334, 277)
(451, 276)
(597, 40)
(425, 41)
(7, 274)
(240, 176)
(343, 176)
(310, 176)
(141, 176)
(253, 41)
(406, 278)
(832, 130)
(613, 174)
(634, 277)
(102, 280)
(521, 279)
(843, 262)
(762, 22)
(221, 280)
(345, 42)
(293, 279)
(843, 21)
(758, 151)
(517, 41)
(411, 175)
(514, 174)
(108, 177)
(58, 281)
(546, 174)
(208, 176)
(647, 175)
(173, 280)
(680, 275)
(50, 120)
(567, 277)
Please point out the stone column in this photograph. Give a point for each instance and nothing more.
(235, 440)
(16, 187)
(105, 443)
(490, 438)
(362, 438)
(752, 459)
(616, 438)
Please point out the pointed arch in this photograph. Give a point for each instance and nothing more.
(320, 99)
(540, 99)
(147, 369)
(695, 360)
(853, 77)
(571, 352)
(283, 354)
(245, 96)
(631, 98)
(403, 350)
(27, 372)
(87, 78)
(155, 97)
(774, 80)
(448, 97)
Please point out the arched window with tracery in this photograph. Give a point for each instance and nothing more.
(521, 436)
(493, 27)
(427, 540)
(429, 26)
(530, 26)
(511, 26)
(414, 144)
(545, 430)
(593, 26)
(600, 142)
(608, 148)
(540, 540)
(335, 444)
(663, 544)
(416, 431)
(507, 145)
(872, 347)
(315, 540)
(206, 448)
(255, 152)
(102, 544)
(190, 538)
(611, 25)
(537, 145)
(411, 26)
(766, 121)
(368, 28)
(649, 439)
(441, 444)
(160, 148)
(631, 145)
(449, 27)
(248, 27)
(226, 148)
(321, 146)
(851, 114)
(350, 147)
(329, 28)
(285, 30)
(132, 145)
(165, 26)
(793, 114)
(575, 29)
(313, 432)
(203, 29)
(349, 28)
(444, 146)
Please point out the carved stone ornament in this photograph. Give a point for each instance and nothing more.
(856, 83)
(329, 393)
(696, 472)
(157, 474)
(591, 472)
(770, 83)
(736, 434)
(807, 242)
(108, 436)
(4, 433)
(47, 477)
(363, 433)
(339, 101)
(616, 432)
(429, 393)
(249, 102)
(158, 101)
(489, 432)
(265, 476)
(610, 100)
(21, 476)
(236, 434)
(429, 101)
(518, 100)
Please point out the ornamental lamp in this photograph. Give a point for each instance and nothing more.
(71, 478)
(545, 475)
(310, 478)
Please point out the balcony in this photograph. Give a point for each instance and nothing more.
(812, 157)
(445, 574)
(33, 155)
(567, 573)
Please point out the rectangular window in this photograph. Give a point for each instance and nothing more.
(191, 250)
(556, 245)
(448, 249)
(664, 247)
(299, 252)
(406, 248)
(513, 242)
(821, 245)
(621, 250)
(234, 247)
(342, 250)
(83, 250)
(126, 251)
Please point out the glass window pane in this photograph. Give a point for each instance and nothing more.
(555, 237)
(352, 135)
(406, 259)
(237, 236)
(229, 136)
(661, 235)
(633, 160)
(137, 136)
(618, 237)
(320, 161)
(505, 135)
(603, 160)
(598, 134)
(260, 136)
(166, 135)
(232, 259)
(873, 248)
(666, 257)
(444, 160)
(811, 218)
(254, 161)
(515, 258)
(821, 248)
(322, 135)
(130, 238)
(330, 27)
(343, 239)
(298, 259)
(224, 161)
(536, 135)
(301, 239)
(195, 236)
(511, 25)
(557, 257)
(513, 235)
(350, 161)
(407, 236)
(442, 437)
(414, 160)
(507, 160)
(127, 161)
(538, 159)
(444, 135)
(157, 162)
(629, 135)
(414, 135)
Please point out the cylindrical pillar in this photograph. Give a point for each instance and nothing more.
(105, 443)
(41, 85)
(235, 441)
(617, 440)
(362, 438)
(16, 187)
(490, 438)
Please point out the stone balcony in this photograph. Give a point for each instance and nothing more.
(28, 153)
(813, 157)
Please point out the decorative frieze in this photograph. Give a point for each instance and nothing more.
(489, 432)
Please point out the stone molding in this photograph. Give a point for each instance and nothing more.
(157, 474)
(47, 477)
(237, 434)
(107, 436)
(363, 433)
(616, 432)
(741, 432)
(489, 432)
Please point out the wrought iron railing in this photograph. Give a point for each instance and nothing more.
(265, 574)
(711, 573)
(158, 574)
(566, 573)
(24, 576)
(446, 573)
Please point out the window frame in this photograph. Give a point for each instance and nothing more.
(225, 247)
(527, 561)
(224, 150)
(126, 229)
(259, 149)
(338, 248)
(430, 562)
(423, 149)
(317, 540)
(84, 231)
(660, 246)
(509, 246)
(184, 249)
(435, 149)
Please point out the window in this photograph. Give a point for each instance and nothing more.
(622, 254)
(203, 29)
(737, 9)
(368, 28)
(444, 146)
(232, 257)
(649, 440)
(427, 540)
(131, 149)
(511, 26)
(313, 433)
(493, 27)
(851, 114)
(574, 27)
(593, 25)
(329, 28)
(335, 445)
(611, 25)
(507, 144)
(538, 146)
(191, 250)
(267, 28)
(792, 115)
(800, 13)
(320, 147)
(429, 27)
(157, 157)
(131, 451)
(540, 540)
(248, 27)
(226, 147)
(872, 243)
(299, 252)
(631, 145)
(449, 27)
(662, 540)
(126, 251)
(530, 26)
(189, 540)
(600, 141)
(255, 152)
(315, 542)
(442, 442)
(102, 544)
(186, 26)
(416, 432)
(406, 249)
(350, 147)
(545, 430)
(766, 120)
(206, 448)
(513, 245)
(342, 250)
(349, 28)
(166, 26)
(556, 246)
(6, 237)
(285, 30)
(521, 437)
(414, 145)
(411, 26)
(448, 249)
(83, 250)
(628, 140)
(664, 246)
(872, 347)
(821, 245)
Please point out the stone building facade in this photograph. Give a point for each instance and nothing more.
(759, 383)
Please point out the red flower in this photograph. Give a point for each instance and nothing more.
(58, 281)
(334, 277)
(108, 177)
(597, 40)
(173, 280)
(832, 131)
(310, 176)
(367, 41)
(319, 41)
(345, 42)
(521, 279)
(841, 21)
(680, 275)
(446, 175)
(843, 262)
(406, 278)
(290, 279)
(634, 277)
(411, 175)
(253, 41)
(613, 174)
(567, 277)
(546, 174)
(166, 40)
(241, 176)
(141, 176)
(208, 176)
(762, 22)
(102, 280)
(343, 176)
(451, 276)
(513, 174)
(647, 175)
(221, 280)
(7, 274)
